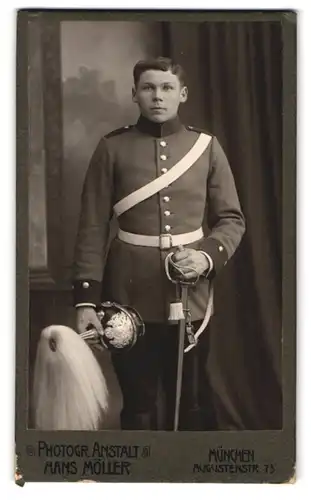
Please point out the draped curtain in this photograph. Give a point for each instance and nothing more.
(235, 92)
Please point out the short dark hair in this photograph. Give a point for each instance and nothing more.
(158, 63)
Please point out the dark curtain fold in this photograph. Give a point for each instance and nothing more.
(235, 83)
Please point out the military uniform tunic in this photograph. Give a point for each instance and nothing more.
(124, 161)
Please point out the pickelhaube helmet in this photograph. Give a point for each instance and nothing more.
(122, 326)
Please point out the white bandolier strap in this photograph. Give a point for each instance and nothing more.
(166, 179)
(164, 241)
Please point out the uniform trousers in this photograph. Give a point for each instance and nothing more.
(152, 363)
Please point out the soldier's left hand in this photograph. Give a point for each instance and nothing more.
(193, 261)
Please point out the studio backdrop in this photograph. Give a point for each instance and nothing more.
(79, 88)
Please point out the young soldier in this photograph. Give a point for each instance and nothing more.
(169, 220)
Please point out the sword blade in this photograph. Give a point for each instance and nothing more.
(181, 341)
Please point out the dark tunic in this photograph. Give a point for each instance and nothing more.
(124, 161)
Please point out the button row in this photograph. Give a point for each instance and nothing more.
(166, 199)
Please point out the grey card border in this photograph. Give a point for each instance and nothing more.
(160, 456)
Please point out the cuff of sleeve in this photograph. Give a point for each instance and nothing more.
(86, 292)
(210, 266)
(216, 251)
(85, 304)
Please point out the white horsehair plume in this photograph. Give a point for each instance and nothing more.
(69, 389)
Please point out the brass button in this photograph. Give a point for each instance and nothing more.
(166, 199)
(163, 144)
(167, 228)
(164, 170)
(85, 284)
(163, 157)
(167, 213)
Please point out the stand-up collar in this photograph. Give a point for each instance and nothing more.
(159, 129)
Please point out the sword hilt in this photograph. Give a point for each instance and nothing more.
(176, 273)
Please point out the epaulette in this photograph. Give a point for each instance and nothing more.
(119, 131)
(199, 130)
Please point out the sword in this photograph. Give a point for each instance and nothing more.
(180, 361)
(180, 311)
(185, 327)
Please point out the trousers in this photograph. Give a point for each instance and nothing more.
(147, 376)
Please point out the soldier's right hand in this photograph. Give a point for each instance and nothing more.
(87, 318)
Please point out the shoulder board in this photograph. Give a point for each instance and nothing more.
(119, 131)
(199, 130)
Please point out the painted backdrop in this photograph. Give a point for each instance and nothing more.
(97, 60)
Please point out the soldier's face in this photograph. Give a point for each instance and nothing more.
(159, 94)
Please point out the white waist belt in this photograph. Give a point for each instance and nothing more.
(164, 241)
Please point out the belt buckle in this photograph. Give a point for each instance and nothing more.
(166, 241)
